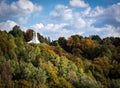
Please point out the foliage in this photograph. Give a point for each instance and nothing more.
(28, 35)
(115, 83)
(6, 75)
(43, 40)
(96, 38)
(16, 32)
(87, 82)
(76, 62)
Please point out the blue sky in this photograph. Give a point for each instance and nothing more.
(57, 18)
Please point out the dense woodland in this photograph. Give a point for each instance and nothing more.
(76, 62)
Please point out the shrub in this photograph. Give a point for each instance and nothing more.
(115, 83)
(87, 82)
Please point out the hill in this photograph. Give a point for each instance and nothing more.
(76, 62)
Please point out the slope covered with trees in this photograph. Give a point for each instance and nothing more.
(76, 62)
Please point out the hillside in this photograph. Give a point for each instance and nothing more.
(76, 62)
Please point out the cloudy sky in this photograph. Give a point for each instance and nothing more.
(56, 18)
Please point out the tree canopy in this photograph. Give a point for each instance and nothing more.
(76, 62)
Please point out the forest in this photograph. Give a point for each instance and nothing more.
(76, 62)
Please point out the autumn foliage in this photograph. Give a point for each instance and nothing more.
(76, 62)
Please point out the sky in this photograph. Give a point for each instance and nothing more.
(62, 18)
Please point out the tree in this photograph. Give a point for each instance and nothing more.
(16, 31)
(33, 74)
(96, 38)
(87, 82)
(43, 39)
(55, 43)
(6, 72)
(7, 45)
(28, 35)
(62, 42)
(115, 83)
(116, 41)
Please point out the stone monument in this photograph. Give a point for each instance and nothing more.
(35, 38)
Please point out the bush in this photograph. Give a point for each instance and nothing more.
(115, 83)
(87, 82)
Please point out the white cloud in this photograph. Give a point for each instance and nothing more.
(79, 23)
(55, 27)
(8, 25)
(53, 31)
(24, 6)
(20, 8)
(56, 34)
(115, 11)
(38, 8)
(83, 22)
(109, 15)
(78, 3)
(50, 30)
(89, 21)
(62, 12)
(110, 30)
(37, 27)
(23, 20)
(80, 20)
(105, 31)
(96, 11)
(86, 11)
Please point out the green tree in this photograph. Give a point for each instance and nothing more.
(43, 39)
(87, 82)
(32, 74)
(17, 32)
(96, 38)
(115, 83)
(6, 72)
(62, 42)
(7, 45)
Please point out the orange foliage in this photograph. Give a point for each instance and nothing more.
(105, 66)
(70, 41)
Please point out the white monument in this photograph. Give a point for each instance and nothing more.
(35, 38)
